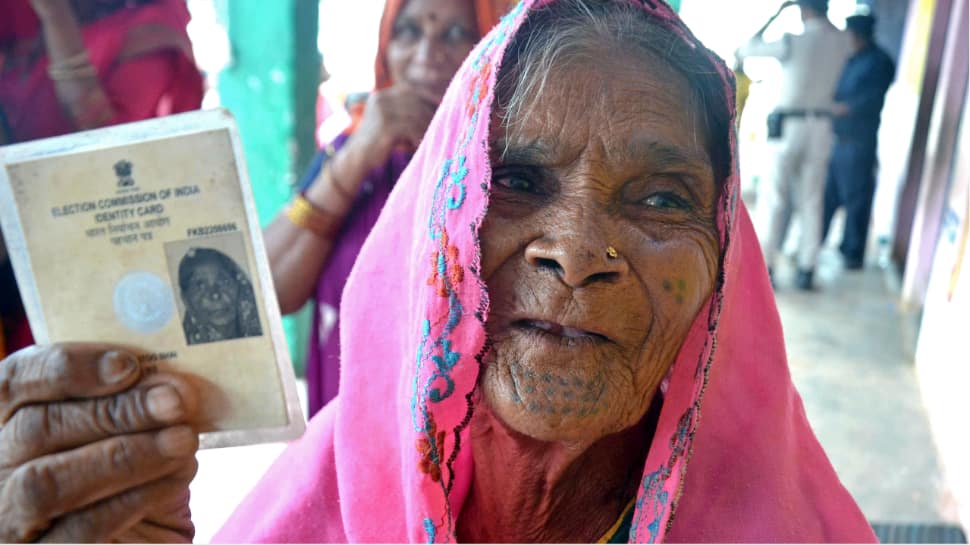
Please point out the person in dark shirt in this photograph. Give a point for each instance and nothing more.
(859, 98)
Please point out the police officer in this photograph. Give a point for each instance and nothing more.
(859, 96)
(800, 130)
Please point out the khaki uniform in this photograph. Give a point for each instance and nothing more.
(811, 64)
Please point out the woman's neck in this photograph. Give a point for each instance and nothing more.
(524, 490)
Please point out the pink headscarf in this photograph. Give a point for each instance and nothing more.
(389, 460)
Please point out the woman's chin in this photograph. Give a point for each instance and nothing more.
(220, 319)
(554, 418)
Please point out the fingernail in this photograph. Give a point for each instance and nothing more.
(164, 403)
(115, 367)
(177, 442)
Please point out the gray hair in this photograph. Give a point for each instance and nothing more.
(569, 32)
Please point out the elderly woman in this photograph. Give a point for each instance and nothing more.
(218, 297)
(562, 282)
(314, 243)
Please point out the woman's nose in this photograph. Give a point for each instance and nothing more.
(578, 260)
(430, 52)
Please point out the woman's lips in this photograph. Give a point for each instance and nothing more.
(558, 330)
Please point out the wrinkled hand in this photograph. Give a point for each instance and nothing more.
(88, 452)
(396, 116)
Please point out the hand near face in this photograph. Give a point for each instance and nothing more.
(396, 116)
(90, 453)
(429, 41)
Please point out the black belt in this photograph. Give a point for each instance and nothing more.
(805, 113)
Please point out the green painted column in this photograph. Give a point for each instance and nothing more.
(270, 86)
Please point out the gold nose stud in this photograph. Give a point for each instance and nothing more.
(611, 252)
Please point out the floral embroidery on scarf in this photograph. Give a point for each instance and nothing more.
(652, 488)
(445, 264)
(479, 87)
(432, 449)
(653, 483)
(656, 501)
(433, 383)
(430, 530)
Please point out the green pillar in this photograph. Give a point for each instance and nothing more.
(270, 86)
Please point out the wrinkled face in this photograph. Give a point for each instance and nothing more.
(431, 38)
(212, 295)
(607, 159)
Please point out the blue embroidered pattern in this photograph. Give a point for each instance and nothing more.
(437, 349)
(663, 505)
(430, 529)
(652, 488)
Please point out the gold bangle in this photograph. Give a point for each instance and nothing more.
(57, 73)
(74, 67)
(305, 215)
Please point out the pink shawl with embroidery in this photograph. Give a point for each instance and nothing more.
(389, 460)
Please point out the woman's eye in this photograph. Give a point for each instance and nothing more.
(666, 200)
(407, 32)
(458, 33)
(516, 183)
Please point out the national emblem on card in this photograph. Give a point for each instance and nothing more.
(123, 170)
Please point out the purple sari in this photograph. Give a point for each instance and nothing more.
(323, 354)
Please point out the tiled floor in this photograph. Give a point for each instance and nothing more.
(849, 350)
(849, 355)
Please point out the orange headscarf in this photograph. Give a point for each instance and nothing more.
(487, 14)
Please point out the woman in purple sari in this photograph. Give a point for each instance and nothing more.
(314, 243)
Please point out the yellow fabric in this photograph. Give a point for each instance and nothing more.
(616, 525)
(743, 87)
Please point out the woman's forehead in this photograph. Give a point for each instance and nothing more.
(445, 11)
(646, 112)
(207, 266)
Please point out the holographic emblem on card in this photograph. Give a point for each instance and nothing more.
(143, 302)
